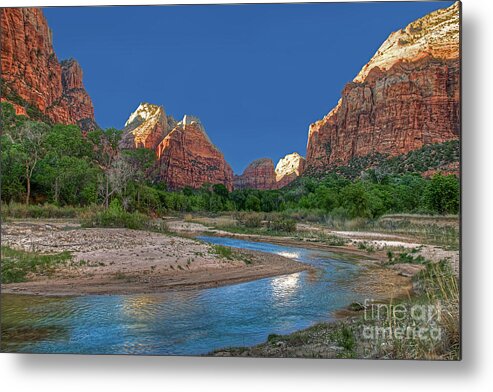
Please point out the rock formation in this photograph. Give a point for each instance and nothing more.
(187, 157)
(32, 78)
(289, 168)
(260, 174)
(146, 127)
(405, 97)
(185, 154)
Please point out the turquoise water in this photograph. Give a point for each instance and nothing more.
(186, 322)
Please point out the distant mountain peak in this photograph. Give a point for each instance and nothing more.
(260, 174)
(144, 112)
(185, 154)
(435, 34)
(291, 166)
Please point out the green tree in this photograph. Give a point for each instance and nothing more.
(66, 168)
(28, 148)
(252, 203)
(355, 200)
(12, 171)
(221, 191)
(441, 194)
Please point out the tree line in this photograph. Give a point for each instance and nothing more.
(58, 164)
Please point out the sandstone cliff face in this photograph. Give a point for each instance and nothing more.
(31, 71)
(185, 154)
(259, 174)
(187, 157)
(289, 168)
(405, 97)
(146, 127)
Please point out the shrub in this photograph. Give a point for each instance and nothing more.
(223, 251)
(370, 248)
(250, 219)
(282, 223)
(405, 258)
(116, 216)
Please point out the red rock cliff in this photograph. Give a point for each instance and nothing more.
(187, 157)
(146, 127)
(259, 174)
(31, 74)
(405, 97)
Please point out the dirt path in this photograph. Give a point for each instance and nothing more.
(131, 261)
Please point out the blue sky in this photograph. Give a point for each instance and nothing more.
(256, 75)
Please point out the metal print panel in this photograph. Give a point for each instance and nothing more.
(270, 180)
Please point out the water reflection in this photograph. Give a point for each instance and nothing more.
(290, 254)
(187, 322)
(285, 286)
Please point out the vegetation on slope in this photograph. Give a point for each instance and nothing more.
(66, 172)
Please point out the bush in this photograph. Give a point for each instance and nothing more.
(223, 251)
(282, 223)
(249, 219)
(116, 216)
(307, 215)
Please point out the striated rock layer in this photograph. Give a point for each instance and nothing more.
(32, 75)
(260, 174)
(187, 157)
(405, 97)
(146, 127)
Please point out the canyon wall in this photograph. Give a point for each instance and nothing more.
(187, 157)
(146, 127)
(289, 169)
(408, 95)
(261, 174)
(33, 79)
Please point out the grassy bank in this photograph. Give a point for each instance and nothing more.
(17, 264)
(439, 230)
(45, 211)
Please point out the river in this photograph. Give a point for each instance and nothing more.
(188, 322)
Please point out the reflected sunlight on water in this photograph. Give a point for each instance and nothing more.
(290, 255)
(286, 285)
(186, 322)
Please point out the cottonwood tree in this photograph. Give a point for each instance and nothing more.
(105, 153)
(118, 176)
(140, 162)
(29, 149)
(65, 171)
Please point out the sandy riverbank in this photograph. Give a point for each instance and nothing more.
(120, 261)
(380, 242)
